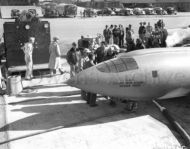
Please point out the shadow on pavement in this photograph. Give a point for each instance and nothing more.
(46, 86)
(54, 112)
(54, 100)
(60, 113)
(49, 94)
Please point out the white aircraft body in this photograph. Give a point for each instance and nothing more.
(139, 75)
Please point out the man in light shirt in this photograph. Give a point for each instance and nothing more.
(28, 50)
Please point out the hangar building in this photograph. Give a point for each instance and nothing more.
(180, 5)
(18, 2)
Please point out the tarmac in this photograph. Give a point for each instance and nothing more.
(70, 29)
(48, 114)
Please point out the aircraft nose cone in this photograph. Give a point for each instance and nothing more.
(83, 79)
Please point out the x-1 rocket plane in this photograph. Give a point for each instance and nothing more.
(139, 75)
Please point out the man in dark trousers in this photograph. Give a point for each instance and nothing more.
(116, 33)
(72, 59)
(121, 36)
(91, 97)
(107, 34)
(142, 31)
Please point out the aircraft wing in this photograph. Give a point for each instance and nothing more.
(179, 36)
(179, 92)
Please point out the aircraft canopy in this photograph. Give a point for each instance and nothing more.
(121, 64)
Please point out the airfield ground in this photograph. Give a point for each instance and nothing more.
(54, 105)
(70, 29)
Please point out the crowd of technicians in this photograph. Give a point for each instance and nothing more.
(148, 36)
(115, 38)
(98, 51)
(85, 58)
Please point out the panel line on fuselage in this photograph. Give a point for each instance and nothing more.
(124, 63)
(107, 66)
(114, 65)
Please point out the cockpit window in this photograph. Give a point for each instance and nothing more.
(118, 65)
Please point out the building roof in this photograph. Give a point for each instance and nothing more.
(144, 1)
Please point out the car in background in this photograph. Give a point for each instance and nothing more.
(127, 11)
(149, 11)
(61, 9)
(50, 10)
(117, 11)
(106, 12)
(138, 11)
(160, 11)
(89, 12)
(70, 10)
(171, 10)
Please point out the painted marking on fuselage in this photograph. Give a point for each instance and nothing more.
(130, 84)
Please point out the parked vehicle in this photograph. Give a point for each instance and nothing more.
(51, 10)
(16, 34)
(106, 12)
(171, 11)
(70, 10)
(127, 11)
(90, 12)
(149, 11)
(117, 11)
(61, 9)
(138, 11)
(160, 11)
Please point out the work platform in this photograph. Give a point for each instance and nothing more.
(23, 68)
(38, 67)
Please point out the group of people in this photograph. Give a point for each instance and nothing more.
(148, 36)
(54, 60)
(83, 58)
(114, 35)
(78, 61)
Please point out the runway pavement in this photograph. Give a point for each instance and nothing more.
(3, 134)
(72, 123)
(49, 103)
(71, 29)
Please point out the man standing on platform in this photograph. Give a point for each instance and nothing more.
(28, 50)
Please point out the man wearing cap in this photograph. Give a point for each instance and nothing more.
(54, 60)
(72, 59)
(84, 58)
(28, 50)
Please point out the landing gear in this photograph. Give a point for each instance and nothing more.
(131, 106)
(112, 102)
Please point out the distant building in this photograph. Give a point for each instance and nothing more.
(180, 5)
(18, 2)
(65, 1)
(99, 4)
